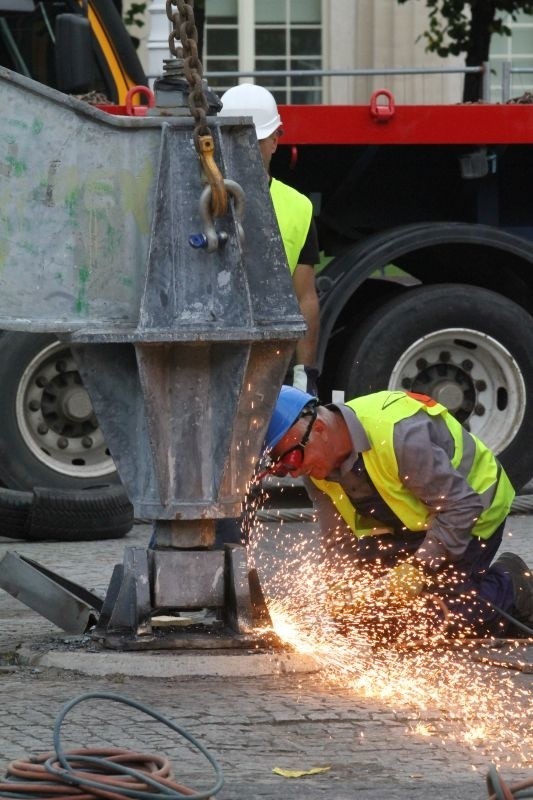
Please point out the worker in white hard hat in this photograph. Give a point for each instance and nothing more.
(294, 213)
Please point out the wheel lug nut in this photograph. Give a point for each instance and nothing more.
(479, 409)
(421, 364)
(61, 366)
(480, 386)
(34, 405)
(467, 365)
(445, 356)
(62, 443)
(87, 442)
(406, 383)
(41, 382)
(42, 428)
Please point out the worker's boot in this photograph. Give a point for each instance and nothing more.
(522, 579)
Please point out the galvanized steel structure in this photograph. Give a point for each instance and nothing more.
(181, 350)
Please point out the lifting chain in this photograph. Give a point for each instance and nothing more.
(183, 43)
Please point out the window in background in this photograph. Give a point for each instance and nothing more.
(516, 49)
(242, 36)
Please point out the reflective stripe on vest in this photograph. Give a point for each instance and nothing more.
(293, 213)
(378, 413)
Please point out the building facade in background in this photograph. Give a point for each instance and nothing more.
(247, 36)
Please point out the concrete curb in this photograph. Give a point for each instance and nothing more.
(241, 664)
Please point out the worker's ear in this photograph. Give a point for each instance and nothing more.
(320, 426)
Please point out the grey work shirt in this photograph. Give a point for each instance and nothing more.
(424, 447)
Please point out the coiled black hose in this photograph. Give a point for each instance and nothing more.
(85, 774)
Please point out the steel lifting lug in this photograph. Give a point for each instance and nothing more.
(140, 110)
(382, 112)
(209, 238)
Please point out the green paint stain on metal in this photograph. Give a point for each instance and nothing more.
(37, 126)
(101, 187)
(17, 123)
(125, 281)
(29, 247)
(72, 201)
(16, 166)
(59, 277)
(81, 304)
(112, 240)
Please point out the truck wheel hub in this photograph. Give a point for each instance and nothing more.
(448, 385)
(56, 418)
(77, 405)
(470, 373)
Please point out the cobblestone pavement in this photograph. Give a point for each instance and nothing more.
(250, 725)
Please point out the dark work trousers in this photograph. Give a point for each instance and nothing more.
(470, 587)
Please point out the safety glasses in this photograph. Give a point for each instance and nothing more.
(293, 458)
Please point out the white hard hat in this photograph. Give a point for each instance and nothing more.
(249, 100)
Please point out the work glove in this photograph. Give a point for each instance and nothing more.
(305, 379)
(344, 598)
(406, 581)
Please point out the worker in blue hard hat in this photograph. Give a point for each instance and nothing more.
(403, 489)
(290, 406)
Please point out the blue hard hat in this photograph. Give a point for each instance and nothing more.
(290, 404)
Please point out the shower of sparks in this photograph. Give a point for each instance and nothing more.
(392, 653)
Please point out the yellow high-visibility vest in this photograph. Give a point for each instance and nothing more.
(293, 213)
(378, 413)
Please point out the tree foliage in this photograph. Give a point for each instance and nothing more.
(467, 26)
(135, 15)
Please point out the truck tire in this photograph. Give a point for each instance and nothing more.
(14, 511)
(78, 516)
(469, 348)
(49, 435)
(46, 515)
